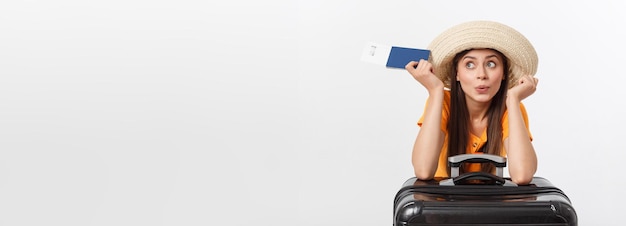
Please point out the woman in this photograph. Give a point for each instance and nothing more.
(476, 77)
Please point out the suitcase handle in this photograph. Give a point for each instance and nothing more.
(486, 178)
(455, 162)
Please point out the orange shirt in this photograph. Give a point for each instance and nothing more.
(475, 142)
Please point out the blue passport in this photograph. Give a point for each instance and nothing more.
(400, 56)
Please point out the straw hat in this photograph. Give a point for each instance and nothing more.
(516, 48)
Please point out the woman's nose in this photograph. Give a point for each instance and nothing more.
(481, 73)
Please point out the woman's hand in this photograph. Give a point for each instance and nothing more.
(526, 86)
(422, 71)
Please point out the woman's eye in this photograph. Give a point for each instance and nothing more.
(470, 65)
(491, 64)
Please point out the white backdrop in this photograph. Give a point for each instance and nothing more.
(140, 112)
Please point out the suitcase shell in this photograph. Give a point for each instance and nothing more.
(429, 203)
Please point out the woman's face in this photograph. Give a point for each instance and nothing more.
(480, 72)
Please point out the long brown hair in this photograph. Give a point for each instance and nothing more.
(459, 121)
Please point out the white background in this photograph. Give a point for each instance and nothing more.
(135, 112)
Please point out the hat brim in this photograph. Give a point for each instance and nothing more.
(520, 53)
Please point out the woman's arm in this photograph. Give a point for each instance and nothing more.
(521, 156)
(522, 160)
(429, 141)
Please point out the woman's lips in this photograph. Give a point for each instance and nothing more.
(482, 89)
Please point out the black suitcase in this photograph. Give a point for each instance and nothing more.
(481, 199)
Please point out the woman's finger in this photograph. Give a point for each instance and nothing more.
(411, 65)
